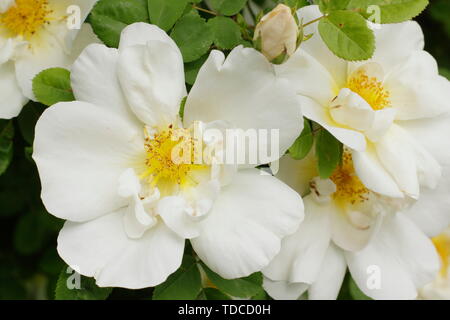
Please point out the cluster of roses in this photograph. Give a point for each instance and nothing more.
(105, 167)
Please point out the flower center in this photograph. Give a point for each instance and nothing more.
(442, 244)
(169, 157)
(26, 17)
(349, 189)
(370, 89)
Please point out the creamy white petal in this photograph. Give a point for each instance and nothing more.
(404, 257)
(416, 89)
(11, 97)
(50, 55)
(80, 151)
(152, 79)
(101, 249)
(174, 212)
(94, 80)
(244, 91)
(372, 173)
(283, 290)
(317, 48)
(302, 253)
(141, 33)
(244, 229)
(396, 42)
(331, 276)
(304, 72)
(298, 173)
(351, 138)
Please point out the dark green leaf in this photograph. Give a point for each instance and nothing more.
(109, 17)
(184, 284)
(328, 153)
(226, 32)
(303, 144)
(191, 69)
(164, 13)
(243, 288)
(6, 144)
(347, 35)
(228, 7)
(28, 118)
(52, 86)
(214, 294)
(72, 286)
(355, 292)
(193, 36)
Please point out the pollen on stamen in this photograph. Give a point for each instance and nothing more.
(160, 163)
(349, 188)
(370, 89)
(26, 17)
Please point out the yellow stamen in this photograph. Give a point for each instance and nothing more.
(166, 164)
(26, 17)
(349, 189)
(370, 89)
(442, 244)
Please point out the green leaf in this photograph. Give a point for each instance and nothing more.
(226, 32)
(28, 118)
(242, 288)
(184, 284)
(29, 235)
(214, 294)
(303, 144)
(87, 290)
(164, 13)
(347, 35)
(328, 153)
(391, 11)
(109, 17)
(295, 3)
(191, 69)
(52, 86)
(6, 144)
(327, 6)
(228, 7)
(193, 36)
(355, 292)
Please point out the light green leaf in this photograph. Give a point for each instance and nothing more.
(88, 289)
(109, 17)
(326, 6)
(303, 144)
(328, 153)
(184, 284)
(193, 36)
(295, 3)
(228, 7)
(6, 144)
(243, 288)
(347, 35)
(164, 13)
(52, 86)
(392, 11)
(226, 32)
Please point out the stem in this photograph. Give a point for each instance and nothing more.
(312, 21)
(204, 10)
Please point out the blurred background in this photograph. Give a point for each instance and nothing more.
(29, 263)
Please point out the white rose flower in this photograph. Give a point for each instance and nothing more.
(439, 289)
(392, 114)
(34, 36)
(371, 106)
(106, 165)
